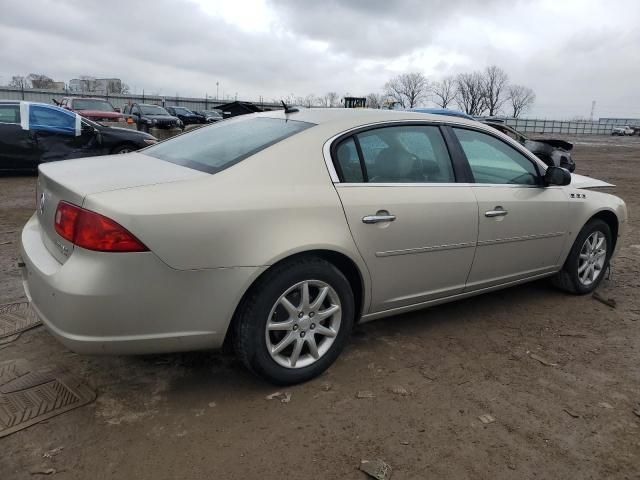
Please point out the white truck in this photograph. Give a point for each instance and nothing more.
(623, 130)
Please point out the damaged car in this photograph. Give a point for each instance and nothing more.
(276, 232)
(553, 152)
(36, 133)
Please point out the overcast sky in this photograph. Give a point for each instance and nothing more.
(569, 52)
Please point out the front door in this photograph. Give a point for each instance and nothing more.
(414, 226)
(522, 223)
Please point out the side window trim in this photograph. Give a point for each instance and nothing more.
(363, 165)
(458, 163)
(454, 140)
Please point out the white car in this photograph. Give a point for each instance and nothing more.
(277, 231)
(626, 130)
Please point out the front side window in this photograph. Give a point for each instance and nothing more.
(398, 154)
(493, 161)
(52, 119)
(9, 113)
(224, 144)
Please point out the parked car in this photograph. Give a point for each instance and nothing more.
(147, 116)
(624, 130)
(211, 116)
(187, 116)
(96, 109)
(35, 133)
(278, 231)
(553, 152)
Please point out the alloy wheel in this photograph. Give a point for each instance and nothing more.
(303, 324)
(592, 258)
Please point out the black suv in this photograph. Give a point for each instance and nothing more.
(187, 116)
(147, 116)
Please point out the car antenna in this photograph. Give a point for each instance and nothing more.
(288, 109)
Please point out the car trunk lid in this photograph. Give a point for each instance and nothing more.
(72, 180)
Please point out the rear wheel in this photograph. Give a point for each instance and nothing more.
(588, 260)
(295, 321)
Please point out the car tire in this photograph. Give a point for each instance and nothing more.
(124, 148)
(263, 326)
(575, 276)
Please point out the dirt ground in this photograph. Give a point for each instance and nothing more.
(202, 416)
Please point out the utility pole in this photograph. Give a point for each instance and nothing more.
(593, 107)
(217, 85)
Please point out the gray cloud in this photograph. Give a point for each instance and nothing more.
(570, 53)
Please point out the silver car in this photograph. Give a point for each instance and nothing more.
(278, 231)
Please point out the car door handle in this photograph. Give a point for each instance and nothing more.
(497, 212)
(378, 218)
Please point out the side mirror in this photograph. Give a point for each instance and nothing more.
(557, 176)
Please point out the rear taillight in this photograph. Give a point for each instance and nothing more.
(93, 231)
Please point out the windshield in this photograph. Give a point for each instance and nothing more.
(99, 105)
(182, 110)
(153, 110)
(224, 144)
(212, 113)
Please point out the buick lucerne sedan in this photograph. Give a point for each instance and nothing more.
(277, 231)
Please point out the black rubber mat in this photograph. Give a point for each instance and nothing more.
(16, 318)
(29, 395)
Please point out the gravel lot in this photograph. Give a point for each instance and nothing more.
(200, 415)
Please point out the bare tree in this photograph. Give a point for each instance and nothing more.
(18, 81)
(375, 100)
(496, 84)
(310, 100)
(444, 92)
(408, 89)
(330, 99)
(521, 98)
(125, 89)
(470, 93)
(39, 80)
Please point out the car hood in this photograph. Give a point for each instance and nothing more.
(99, 113)
(556, 143)
(160, 117)
(581, 181)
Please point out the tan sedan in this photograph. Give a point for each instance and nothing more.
(277, 231)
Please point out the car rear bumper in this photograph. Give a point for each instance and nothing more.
(128, 303)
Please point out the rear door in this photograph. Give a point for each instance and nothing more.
(413, 224)
(522, 223)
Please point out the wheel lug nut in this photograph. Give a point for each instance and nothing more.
(300, 315)
(301, 334)
(312, 326)
(311, 314)
(295, 327)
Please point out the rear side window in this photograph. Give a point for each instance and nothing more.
(349, 161)
(9, 113)
(224, 144)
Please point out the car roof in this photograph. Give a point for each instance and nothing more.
(442, 111)
(358, 116)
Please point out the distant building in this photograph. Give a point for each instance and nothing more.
(58, 86)
(98, 86)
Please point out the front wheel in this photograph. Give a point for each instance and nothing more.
(588, 260)
(295, 321)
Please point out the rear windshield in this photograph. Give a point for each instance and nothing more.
(223, 144)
